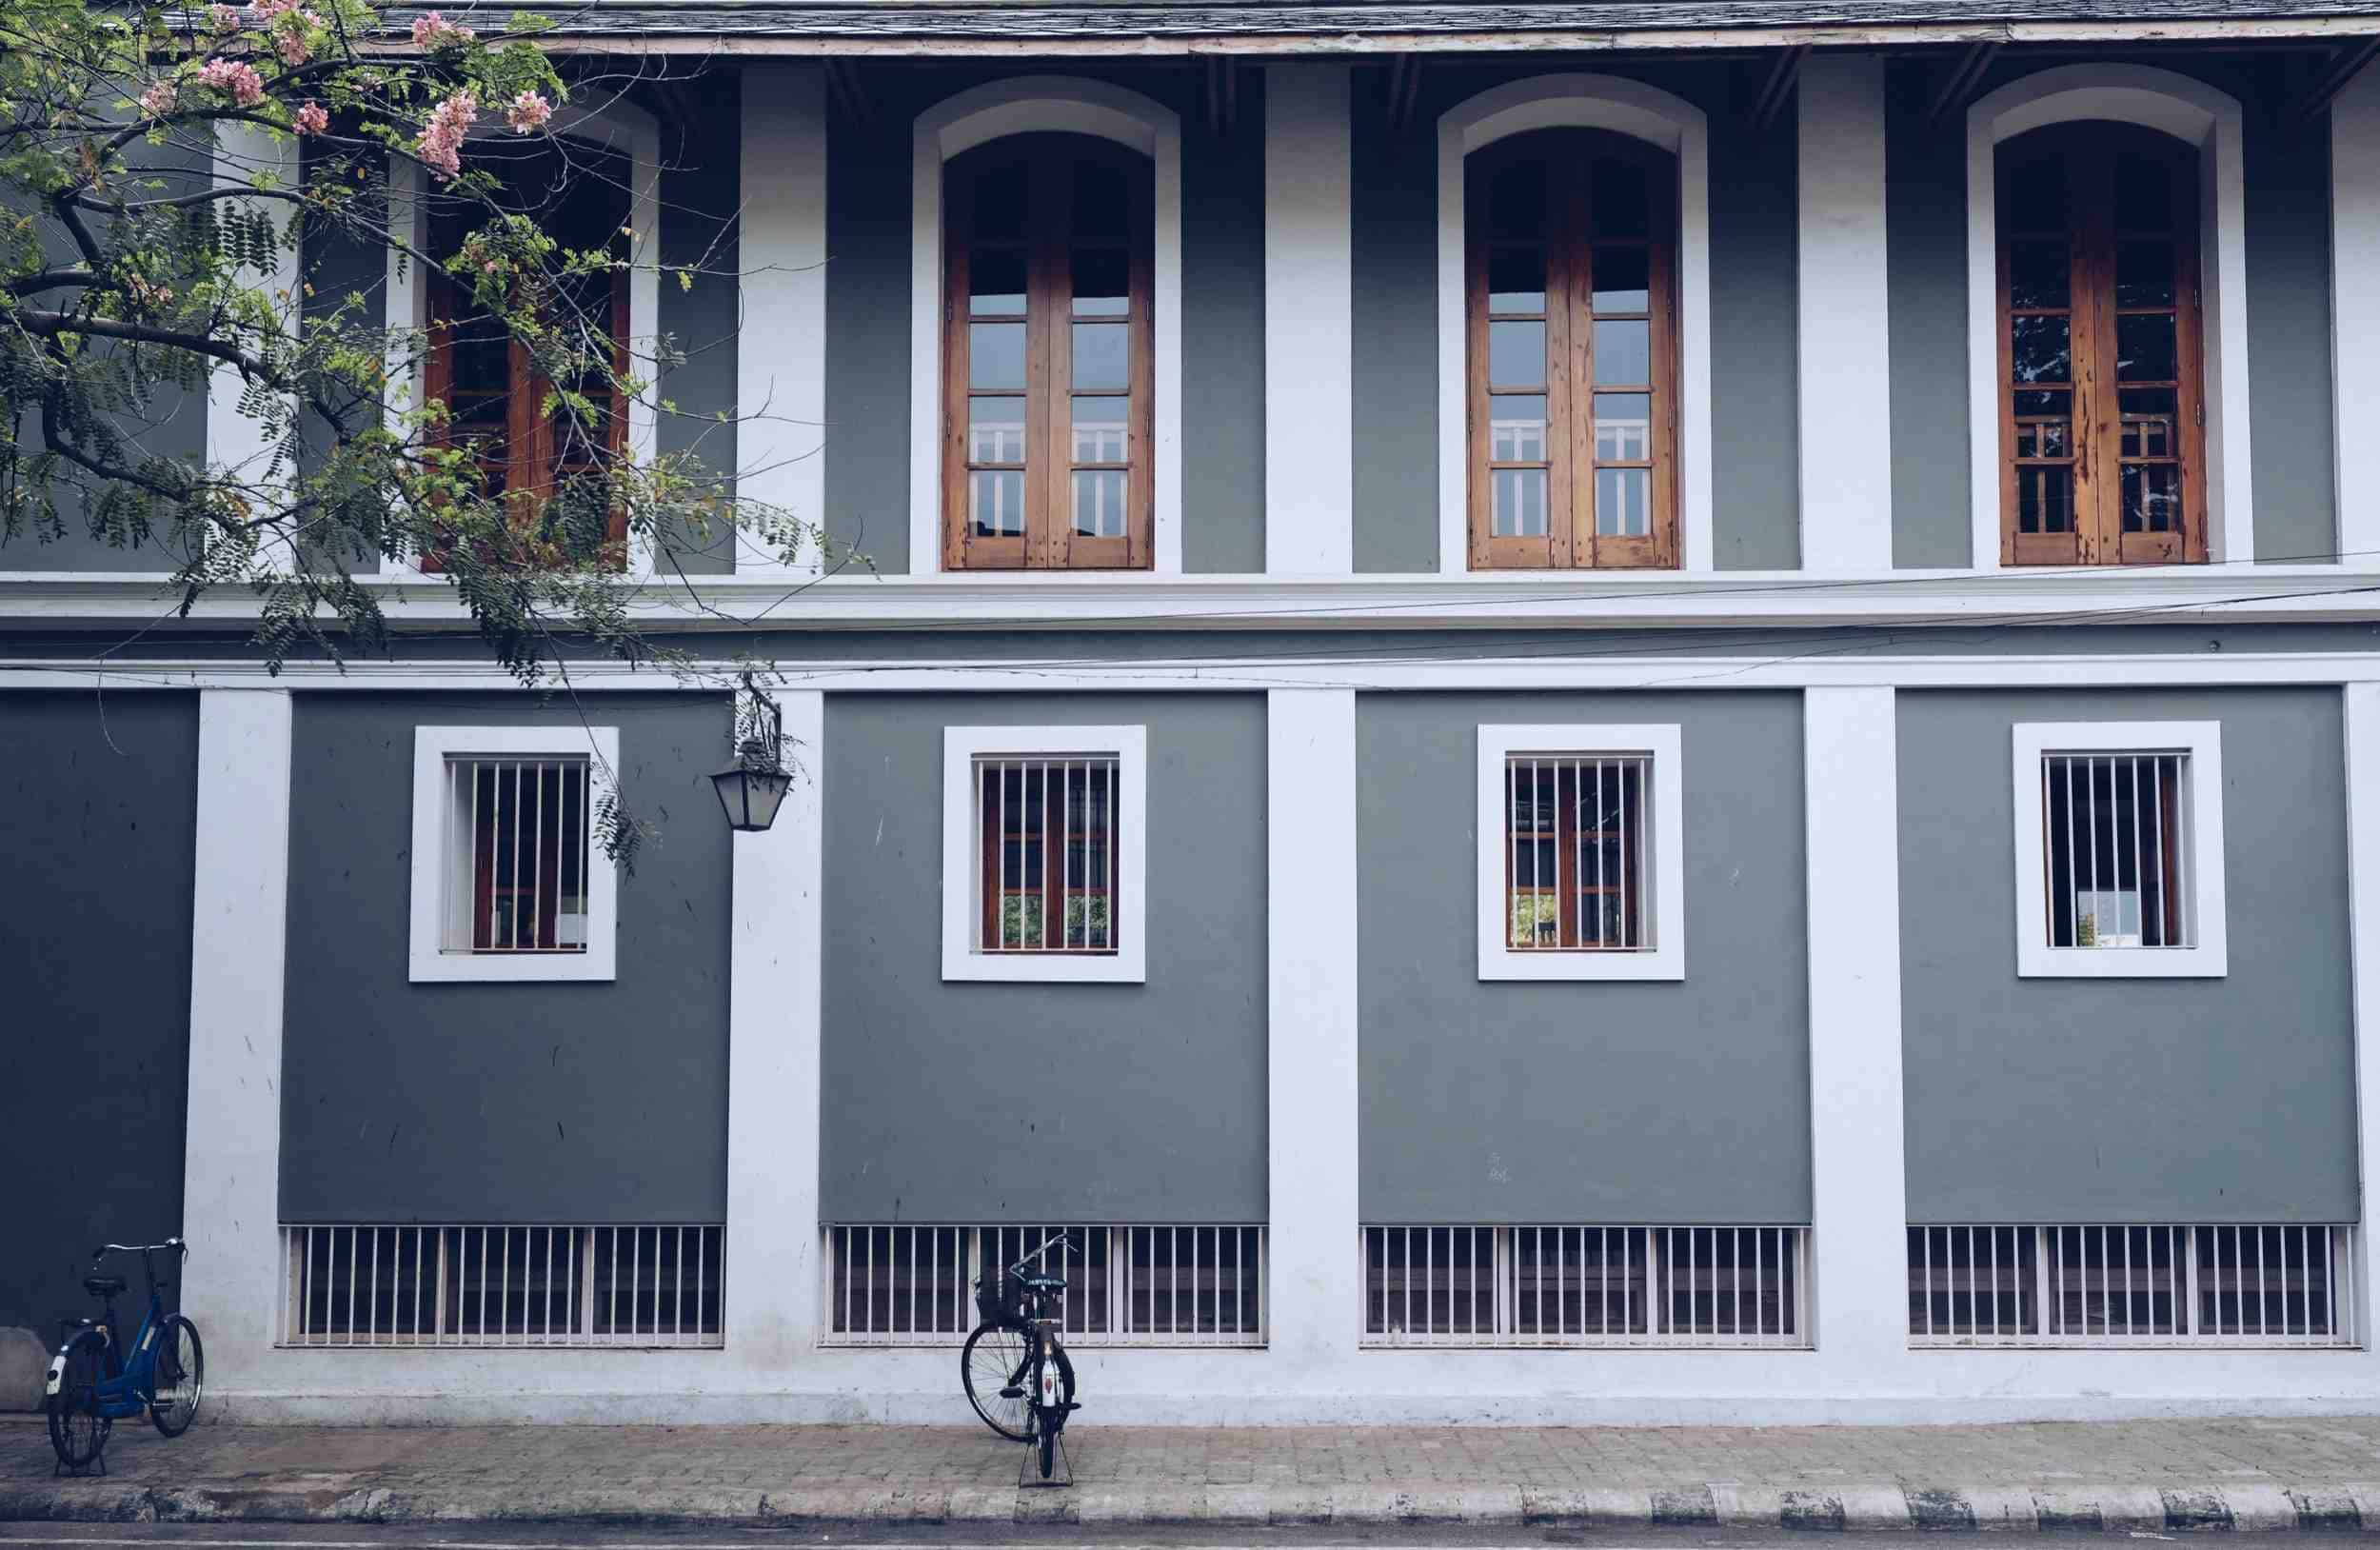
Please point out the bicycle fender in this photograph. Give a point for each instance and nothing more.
(57, 1374)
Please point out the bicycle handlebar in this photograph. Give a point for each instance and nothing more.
(106, 1249)
(1048, 1244)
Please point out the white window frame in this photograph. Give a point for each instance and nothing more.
(429, 960)
(1666, 958)
(2202, 741)
(962, 848)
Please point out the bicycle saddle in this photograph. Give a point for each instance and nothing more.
(103, 1285)
(1044, 1283)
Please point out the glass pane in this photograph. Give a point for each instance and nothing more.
(2032, 194)
(1102, 202)
(1519, 503)
(2144, 194)
(995, 431)
(2153, 498)
(2037, 274)
(1620, 206)
(1623, 279)
(2144, 274)
(1624, 427)
(1102, 284)
(2040, 348)
(2043, 439)
(1099, 503)
(1103, 430)
(1516, 280)
(1516, 201)
(1516, 429)
(1102, 355)
(996, 504)
(1623, 501)
(995, 281)
(2148, 419)
(1000, 202)
(1623, 353)
(2037, 405)
(996, 355)
(2143, 348)
(2045, 500)
(1516, 354)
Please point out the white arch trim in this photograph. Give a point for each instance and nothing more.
(1592, 102)
(619, 126)
(2190, 112)
(1034, 105)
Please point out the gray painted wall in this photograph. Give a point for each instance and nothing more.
(502, 1102)
(1054, 1102)
(1685, 1102)
(867, 316)
(98, 820)
(2286, 168)
(702, 188)
(2047, 1101)
(1395, 218)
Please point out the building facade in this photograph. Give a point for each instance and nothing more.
(1895, 942)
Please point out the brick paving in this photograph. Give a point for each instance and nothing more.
(2254, 1473)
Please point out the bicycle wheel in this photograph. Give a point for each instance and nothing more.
(77, 1430)
(180, 1377)
(1049, 1449)
(995, 1359)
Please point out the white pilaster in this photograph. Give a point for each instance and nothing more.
(1846, 365)
(2356, 313)
(1316, 1289)
(1859, 1188)
(781, 371)
(2363, 912)
(239, 946)
(772, 1063)
(1309, 322)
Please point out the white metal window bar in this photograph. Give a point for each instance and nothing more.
(1586, 1286)
(1048, 865)
(517, 832)
(2117, 849)
(2132, 1283)
(1170, 1285)
(364, 1286)
(1575, 836)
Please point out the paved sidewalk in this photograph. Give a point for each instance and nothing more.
(2118, 1476)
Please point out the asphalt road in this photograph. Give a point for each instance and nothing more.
(550, 1537)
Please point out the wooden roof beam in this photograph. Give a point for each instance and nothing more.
(1959, 90)
(1778, 86)
(2348, 62)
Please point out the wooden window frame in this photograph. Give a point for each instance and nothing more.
(1570, 540)
(1049, 540)
(2094, 452)
(1055, 843)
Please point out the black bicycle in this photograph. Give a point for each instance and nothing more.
(97, 1379)
(1015, 1364)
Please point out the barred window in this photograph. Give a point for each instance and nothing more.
(1043, 848)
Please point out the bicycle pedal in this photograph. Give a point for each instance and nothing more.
(1073, 1404)
(1012, 1392)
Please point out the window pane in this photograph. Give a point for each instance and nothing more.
(995, 281)
(995, 431)
(1624, 427)
(2144, 194)
(1000, 202)
(1623, 501)
(1519, 503)
(2143, 348)
(1103, 430)
(996, 355)
(2144, 274)
(996, 504)
(2045, 500)
(1102, 355)
(1576, 843)
(1516, 429)
(2113, 824)
(2032, 194)
(1516, 354)
(1026, 808)
(1516, 280)
(1516, 201)
(517, 879)
(1099, 503)
(1620, 201)
(1623, 353)
(2040, 348)
(1101, 201)
(2153, 498)
(2039, 274)
(1623, 279)
(2037, 404)
(2147, 422)
(1102, 284)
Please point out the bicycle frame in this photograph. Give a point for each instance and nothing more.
(130, 1386)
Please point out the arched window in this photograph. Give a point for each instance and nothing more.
(1048, 394)
(1572, 370)
(2101, 426)
(495, 395)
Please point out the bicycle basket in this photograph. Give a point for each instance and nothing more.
(997, 1301)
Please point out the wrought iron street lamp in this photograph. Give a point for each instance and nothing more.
(754, 787)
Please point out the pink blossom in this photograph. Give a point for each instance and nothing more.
(159, 99)
(236, 77)
(528, 111)
(441, 144)
(293, 48)
(268, 9)
(432, 30)
(311, 119)
(224, 18)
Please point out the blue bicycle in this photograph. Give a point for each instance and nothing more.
(93, 1383)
